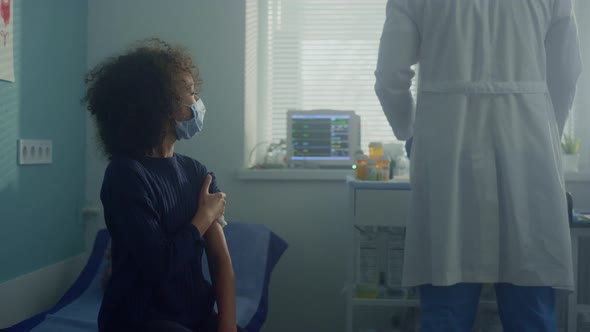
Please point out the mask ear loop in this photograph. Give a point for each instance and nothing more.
(189, 107)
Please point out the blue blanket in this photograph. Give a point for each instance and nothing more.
(255, 250)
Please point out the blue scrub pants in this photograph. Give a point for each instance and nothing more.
(521, 309)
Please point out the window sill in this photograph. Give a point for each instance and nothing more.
(340, 175)
(295, 174)
(583, 176)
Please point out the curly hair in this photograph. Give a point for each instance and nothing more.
(133, 96)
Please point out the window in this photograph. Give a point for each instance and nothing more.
(316, 54)
(321, 54)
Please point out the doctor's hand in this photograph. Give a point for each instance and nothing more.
(210, 207)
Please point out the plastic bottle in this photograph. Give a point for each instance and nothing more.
(383, 168)
(361, 167)
(402, 166)
(395, 238)
(372, 170)
(367, 267)
(376, 150)
(382, 290)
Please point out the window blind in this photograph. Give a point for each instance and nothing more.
(321, 54)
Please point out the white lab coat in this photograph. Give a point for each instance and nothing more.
(497, 79)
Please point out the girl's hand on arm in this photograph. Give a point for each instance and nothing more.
(211, 207)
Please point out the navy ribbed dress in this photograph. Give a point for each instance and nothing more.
(156, 251)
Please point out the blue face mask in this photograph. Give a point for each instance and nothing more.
(188, 128)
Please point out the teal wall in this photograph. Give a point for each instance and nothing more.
(39, 205)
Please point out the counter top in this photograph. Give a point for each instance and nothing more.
(395, 184)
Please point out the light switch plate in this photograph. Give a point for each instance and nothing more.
(35, 152)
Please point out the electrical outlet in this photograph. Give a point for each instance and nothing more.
(35, 152)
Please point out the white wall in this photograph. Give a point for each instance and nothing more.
(306, 285)
(311, 216)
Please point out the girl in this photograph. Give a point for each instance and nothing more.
(160, 207)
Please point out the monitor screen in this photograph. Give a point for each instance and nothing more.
(325, 138)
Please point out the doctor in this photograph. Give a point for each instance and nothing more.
(497, 79)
